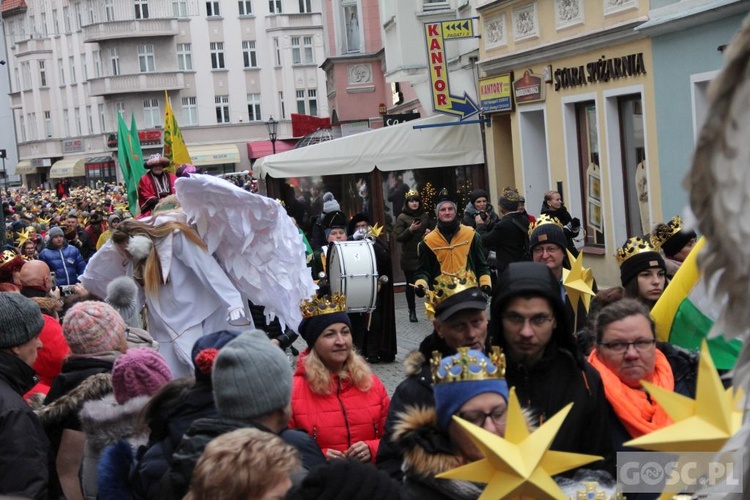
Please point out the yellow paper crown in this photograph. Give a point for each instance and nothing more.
(447, 285)
(542, 220)
(411, 193)
(663, 232)
(7, 256)
(634, 246)
(317, 306)
(445, 372)
(375, 230)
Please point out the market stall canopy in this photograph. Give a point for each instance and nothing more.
(24, 167)
(214, 155)
(70, 166)
(400, 147)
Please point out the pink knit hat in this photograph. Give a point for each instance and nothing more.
(139, 372)
(92, 327)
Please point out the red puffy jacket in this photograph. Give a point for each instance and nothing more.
(342, 418)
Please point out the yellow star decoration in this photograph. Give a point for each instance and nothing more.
(701, 424)
(42, 220)
(23, 235)
(376, 230)
(521, 463)
(578, 282)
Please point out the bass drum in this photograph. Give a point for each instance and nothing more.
(353, 273)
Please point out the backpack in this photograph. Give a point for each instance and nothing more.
(526, 255)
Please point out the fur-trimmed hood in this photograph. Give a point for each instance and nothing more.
(105, 421)
(413, 363)
(427, 450)
(94, 387)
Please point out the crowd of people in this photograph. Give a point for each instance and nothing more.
(96, 400)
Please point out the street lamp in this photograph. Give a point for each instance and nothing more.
(271, 125)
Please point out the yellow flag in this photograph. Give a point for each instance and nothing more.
(174, 144)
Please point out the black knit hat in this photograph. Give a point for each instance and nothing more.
(478, 193)
(20, 320)
(677, 242)
(630, 268)
(548, 233)
(311, 328)
(509, 199)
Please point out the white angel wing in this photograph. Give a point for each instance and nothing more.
(254, 241)
(104, 266)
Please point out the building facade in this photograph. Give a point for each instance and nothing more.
(226, 65)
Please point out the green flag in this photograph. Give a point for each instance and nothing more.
(123, 155)
(136, 155)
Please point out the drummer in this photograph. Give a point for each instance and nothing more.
(334, 226)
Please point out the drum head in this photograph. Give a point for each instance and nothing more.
(352, 271)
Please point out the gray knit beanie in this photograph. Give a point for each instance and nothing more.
(20, 320)
(251, 377)
(122, 295)
(329, 203)
(55, 231)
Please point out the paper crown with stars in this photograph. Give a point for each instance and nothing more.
(446, 286)
(635, 246)
(665, 231)
(463, 366)
(412, 193)
(318, 306)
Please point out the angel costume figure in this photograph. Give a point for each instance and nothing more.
(187, 294)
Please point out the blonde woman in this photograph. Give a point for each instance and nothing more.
(336, 399)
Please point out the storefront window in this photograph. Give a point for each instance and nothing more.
(222, 168)
(590, 173)
(634, 165)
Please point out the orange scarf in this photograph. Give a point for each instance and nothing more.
(637, 413)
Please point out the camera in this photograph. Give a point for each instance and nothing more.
(484, 215)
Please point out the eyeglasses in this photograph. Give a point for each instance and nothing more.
(622, 347)
(518, 320)
(477, 417)
(549, 249)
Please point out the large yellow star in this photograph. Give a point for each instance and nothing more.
(578, 282)
(23, 235)
(521, 463)
(701, 424)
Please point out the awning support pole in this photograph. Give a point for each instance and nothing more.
(451, 124)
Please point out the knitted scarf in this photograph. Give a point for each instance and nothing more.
(636, 411)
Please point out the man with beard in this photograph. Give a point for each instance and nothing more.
(155, 184)
(451, 249)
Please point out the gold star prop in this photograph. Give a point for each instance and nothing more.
(42, 220)
(23, 235)
(521, 463)
(578, 282)
(701, 424)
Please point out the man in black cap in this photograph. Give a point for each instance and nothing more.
(451, 249)
(544, 363)
(460, 321)
(25, 449)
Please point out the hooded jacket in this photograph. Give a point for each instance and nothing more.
(24, 460)
(509, 238)
(342, 418)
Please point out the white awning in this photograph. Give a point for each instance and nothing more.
(400, 147)
(214, 155)
(24, 167)
(70, 166)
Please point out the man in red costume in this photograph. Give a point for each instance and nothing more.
(155, 184)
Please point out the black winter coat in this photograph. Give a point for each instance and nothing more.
(509, 238)
(409, 240)
(24, 459)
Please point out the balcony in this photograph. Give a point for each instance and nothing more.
(134, 28)
(276, 22)
(33, 46)
(143, 82)
(15, 100)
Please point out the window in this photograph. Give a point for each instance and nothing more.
(45, 32)
(308, 46)
(589, 172)
(32, 127)
(212, 9)
(146, 61)
(26, 75)
(114, 58)
(434, 4)
(184, 57)
(246, 7)
(72, 70)
(309, 106)
(312, 101)
(97, 56)
(274, 6)
(66, 18)
(78, 122)
(17, 79)
(633, 156)
(217, 55)
(31, 29)
(179, 8)
(189, 111)
(277, 51)
(102, 119)
(141, 9)
(22, 126)
(281, 105)
(248, 54)
(92, 15)
(109, 10)
(301, 102)
(151, 114)
(47, 124)
(305, 6)
(55, 23)
(253, 108)
(62, 71)
(42, 74)
(85, 68)
(90, 119)
(120, 108)
(79, 16)
(296, 56)
(222, 108)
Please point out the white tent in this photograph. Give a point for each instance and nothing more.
(400, 147)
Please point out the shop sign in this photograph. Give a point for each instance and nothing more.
(41, 162)
(530, 88)
(443, 100)
(146, 137)
(495, 94)
(72, 146)
(601, 70)
(389, 120)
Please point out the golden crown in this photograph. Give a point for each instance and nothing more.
(375, 231)
(511, 194)
(459, 367)
(542, 220)
(317, 306)
(663, 232)
(634, 246)
(7, 256)
(411, 193)
(447, 285)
